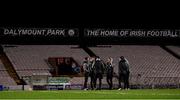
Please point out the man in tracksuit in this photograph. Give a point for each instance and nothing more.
(98, 71)
(109, 70)
(124, 72)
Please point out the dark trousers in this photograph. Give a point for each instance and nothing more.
(92, 80)
(109, 81)
(86, 75)
(98, 76)
(125, 79)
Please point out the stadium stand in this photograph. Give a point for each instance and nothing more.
(5, 79)
(77, 80)
(28, 59)
(2, 66)
(149, 62)
(176, 49)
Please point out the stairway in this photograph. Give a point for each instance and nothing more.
(10, 69)
(170, 52)
(89, 51)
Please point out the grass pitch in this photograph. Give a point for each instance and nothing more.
(95, 94)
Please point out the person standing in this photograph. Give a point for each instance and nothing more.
(109, 74)
(98, 72)
(86, 67)
(91, 72)
(123, 72)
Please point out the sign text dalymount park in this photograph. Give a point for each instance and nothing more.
(61, 32)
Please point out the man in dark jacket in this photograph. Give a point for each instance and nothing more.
(124, 72)
(98, 71)
(109, 70)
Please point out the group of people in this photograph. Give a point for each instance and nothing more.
(95, 68)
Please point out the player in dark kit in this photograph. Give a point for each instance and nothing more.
(124, 72)
(98, 71)
(109, 70)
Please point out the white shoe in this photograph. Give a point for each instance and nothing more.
(119, 89)
(86, 89)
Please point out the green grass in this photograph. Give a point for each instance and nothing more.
(98, 94)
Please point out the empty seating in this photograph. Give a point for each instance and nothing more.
(148, 61)
(28, 59)
(152, 63)
(5, 79)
